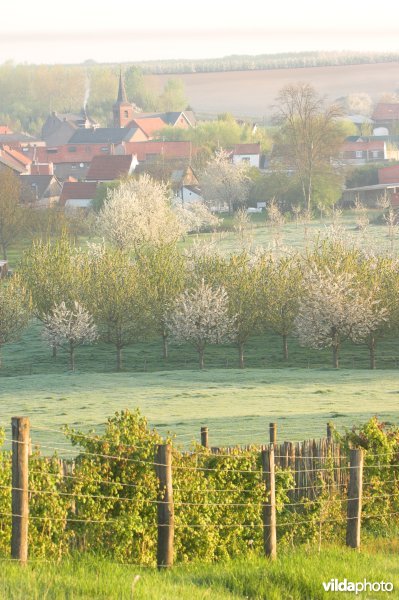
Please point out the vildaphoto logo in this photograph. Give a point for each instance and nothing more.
(357, 587)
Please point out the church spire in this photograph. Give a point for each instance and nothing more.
(121, 90)
(122, 109)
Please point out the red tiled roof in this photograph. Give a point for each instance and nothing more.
(386, 111)
(253, 148)
(18, 156)
(167, 149)
(10, 161)
(80, 190)
(108, 168)
(388, 174)
(5, 130)
(149, 125)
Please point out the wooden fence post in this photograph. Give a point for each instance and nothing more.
(269, 507)
(166, 523)
(19, 498)
(204, 437)
(355, 492)
(330, 429)
(273, 433)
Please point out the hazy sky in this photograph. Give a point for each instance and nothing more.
(123, 30)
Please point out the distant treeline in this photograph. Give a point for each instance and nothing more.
(287, 60)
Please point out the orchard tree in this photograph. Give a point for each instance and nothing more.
(162, 272)
(242, 226)
(309, 137)
(138, 214)
(196, 216)
(14, 311)
(11, 214)
(51, 271)
(69, 328)
(378, 278)
(114, 296)
(281, 285)
(242, 284)
(205, 263)
(224, 184)
(333, 310)
(200, 317)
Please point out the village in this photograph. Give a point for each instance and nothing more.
(75, 154)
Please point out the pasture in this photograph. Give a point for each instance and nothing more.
(252, 93)
(301, 394)
(237, 405)
(293, 235)
(296, 574)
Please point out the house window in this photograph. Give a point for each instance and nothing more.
(52, 150)
(126, 112)
(375, 153)
(104, 149)
(245, 159)
(72, 149)
(359, 154)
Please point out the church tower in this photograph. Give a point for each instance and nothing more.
(122, 110)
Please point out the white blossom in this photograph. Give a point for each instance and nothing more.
(333, 309)
(201, 317)
(224, 185)
(139, 212)
(69, 328)
(196, 216)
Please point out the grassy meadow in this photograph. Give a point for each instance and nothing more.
(295, 575)
(301, 394)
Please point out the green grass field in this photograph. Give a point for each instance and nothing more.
(296, 575)
(237, 405)
(292, 234)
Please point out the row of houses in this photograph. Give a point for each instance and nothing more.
(74, 153)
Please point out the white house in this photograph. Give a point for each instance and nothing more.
(247, 153)
(189, 193)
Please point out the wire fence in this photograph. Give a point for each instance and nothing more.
(109, 487)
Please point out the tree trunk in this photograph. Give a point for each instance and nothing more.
(118, 358)
(201, 358)
(165, 346)
(71, 357)
(54, 351)
(372, 352)
(241, 354)
(336, 357)
(285, 347)
(4, 247)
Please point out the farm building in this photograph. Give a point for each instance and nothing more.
(77, 194)
(369, 195)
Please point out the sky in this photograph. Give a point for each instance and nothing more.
(47, 31)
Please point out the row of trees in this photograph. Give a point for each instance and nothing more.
(332, 294)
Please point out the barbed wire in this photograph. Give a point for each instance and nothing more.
(180, 503)
(216, 525)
